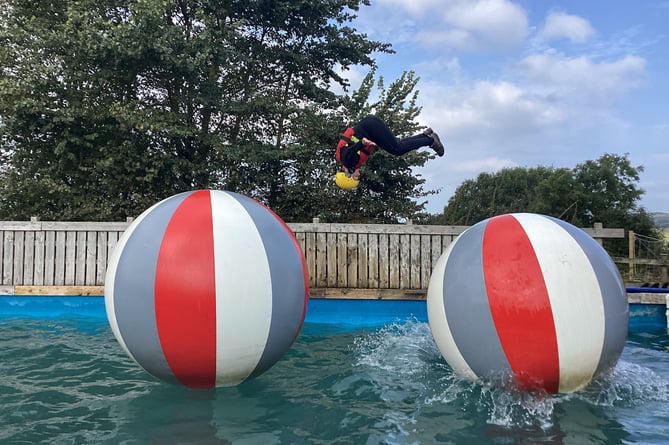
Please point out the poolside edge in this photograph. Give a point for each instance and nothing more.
(325, 293)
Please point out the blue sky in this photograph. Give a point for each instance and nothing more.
(532, 82)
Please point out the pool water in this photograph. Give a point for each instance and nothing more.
(348, 379)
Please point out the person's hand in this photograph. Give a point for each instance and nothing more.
(356, 174)
(366, 141)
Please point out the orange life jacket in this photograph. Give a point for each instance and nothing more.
(348, 139)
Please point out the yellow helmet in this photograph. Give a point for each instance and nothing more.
(345, 181)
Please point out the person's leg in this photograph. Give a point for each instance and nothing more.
(377, 131)
(413, 143)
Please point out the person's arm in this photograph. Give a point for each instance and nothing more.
(364, 148)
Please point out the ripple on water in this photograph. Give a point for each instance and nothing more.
(70, 382)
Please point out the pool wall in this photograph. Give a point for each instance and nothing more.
(340, 312)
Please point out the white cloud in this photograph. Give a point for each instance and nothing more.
(445, 66)
(560, 25)
(490, 164)
(486, 24)
(582, 77)
(485, 108)
(461, 25)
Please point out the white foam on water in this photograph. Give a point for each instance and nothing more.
(628, 384)
(398, 360)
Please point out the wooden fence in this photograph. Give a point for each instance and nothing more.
(58, 254)
(371, 260)
(344, 260)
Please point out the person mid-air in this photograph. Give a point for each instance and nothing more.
(359, 142)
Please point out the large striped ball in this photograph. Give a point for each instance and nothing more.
(206, 288)
(529, 297)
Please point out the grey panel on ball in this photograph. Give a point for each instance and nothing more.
(467, 307)
(288, 286)
(616, 307)
(134, 289)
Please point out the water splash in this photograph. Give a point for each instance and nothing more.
(627, 385)
(404, 364)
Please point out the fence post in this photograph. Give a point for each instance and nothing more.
(598, 226)
(631, 255)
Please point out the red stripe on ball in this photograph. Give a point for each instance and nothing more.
(520, 305)
(187, 326)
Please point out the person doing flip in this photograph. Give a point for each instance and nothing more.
(360, 141)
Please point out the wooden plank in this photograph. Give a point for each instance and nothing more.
(386, 269)
(29, 258)
(38, 270)
(64, 226)
(2, 255)
(19, 248)
(436, 249)
(368, 294)
(604, 233)
(112, 240)
(342, 293)
(393, 261)
(331, 242)
(79, 258)
(60, 290)
(421, 294)
(373, 260)
(352, 260)
(446, 241)
(300, 240)
(321, 260)
(363, 260)
(342, 259)
(49, 258)
(101, 258)
(19, 225)
(70, 258)
(425, 260)
(648, 298)
(91, 259)
(8, 258)
(59, 259)
(405, 262)
(642, 261)
(310, 256)
(418, 229)
(414, 261)
(375, 228)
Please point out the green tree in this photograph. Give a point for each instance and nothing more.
(604, 190)
(519, 189)
(607, 192)
(107, 107)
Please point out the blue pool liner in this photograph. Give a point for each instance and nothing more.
(338, 312)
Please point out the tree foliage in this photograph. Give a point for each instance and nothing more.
(604, 190)
(107, 107)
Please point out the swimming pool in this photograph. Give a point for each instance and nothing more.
(361, 372)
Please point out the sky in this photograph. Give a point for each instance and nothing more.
(532, 82)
